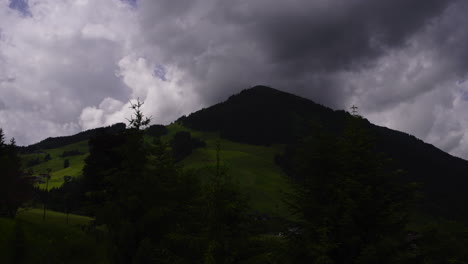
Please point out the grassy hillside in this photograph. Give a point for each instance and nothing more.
(57, 161)
(252, 167)
(29, 239)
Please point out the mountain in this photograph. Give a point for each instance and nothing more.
(265, 116)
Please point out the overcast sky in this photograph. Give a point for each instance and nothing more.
(71, 65)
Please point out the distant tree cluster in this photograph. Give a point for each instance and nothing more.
(69, 153)
(156, 130)
(66, 163)
(183, 144)
(33, 161)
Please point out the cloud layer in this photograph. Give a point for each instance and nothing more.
(71, 65)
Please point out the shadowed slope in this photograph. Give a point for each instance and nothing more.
(263, 116)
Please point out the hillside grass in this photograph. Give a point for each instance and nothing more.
(57, 161)
(252, 167)
(30, 239)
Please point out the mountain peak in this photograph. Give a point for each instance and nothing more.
(260, 88)
(260, 115)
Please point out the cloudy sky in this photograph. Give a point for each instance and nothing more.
(71, 65)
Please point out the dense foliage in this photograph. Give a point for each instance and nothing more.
(182, 145)
(15, 187)
(347, 197)
(156, 130)
(154, 211)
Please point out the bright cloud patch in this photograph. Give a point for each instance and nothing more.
(165, 100)
(59, 60)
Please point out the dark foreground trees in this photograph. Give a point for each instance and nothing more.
(15, 187)
(148, 207)
(155, 211)
(225, 212)
(351, 205)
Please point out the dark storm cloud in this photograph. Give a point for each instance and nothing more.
(295, 45)
(450, 38)
(340, 34)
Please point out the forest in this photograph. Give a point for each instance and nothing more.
(346, 196)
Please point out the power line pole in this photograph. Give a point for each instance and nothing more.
(47, 176)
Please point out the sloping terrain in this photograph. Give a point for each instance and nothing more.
(256, 132)
(257, 123)
(56, 162)
(252, 167)
(265, 116)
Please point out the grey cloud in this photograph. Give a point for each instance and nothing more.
(329, 35)
(399, 60)
(8, 80)
(91, 79)
(289, 41)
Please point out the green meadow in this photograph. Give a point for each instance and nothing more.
(56, 163)
(251, 167)
(30, 239)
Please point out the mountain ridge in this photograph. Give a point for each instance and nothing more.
(264, 116)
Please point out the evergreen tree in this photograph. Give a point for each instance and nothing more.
(138, 121)
(225, 216)
(14, 188)
(348, 197)
(66, 163)
(151, 207)
(2, 138)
